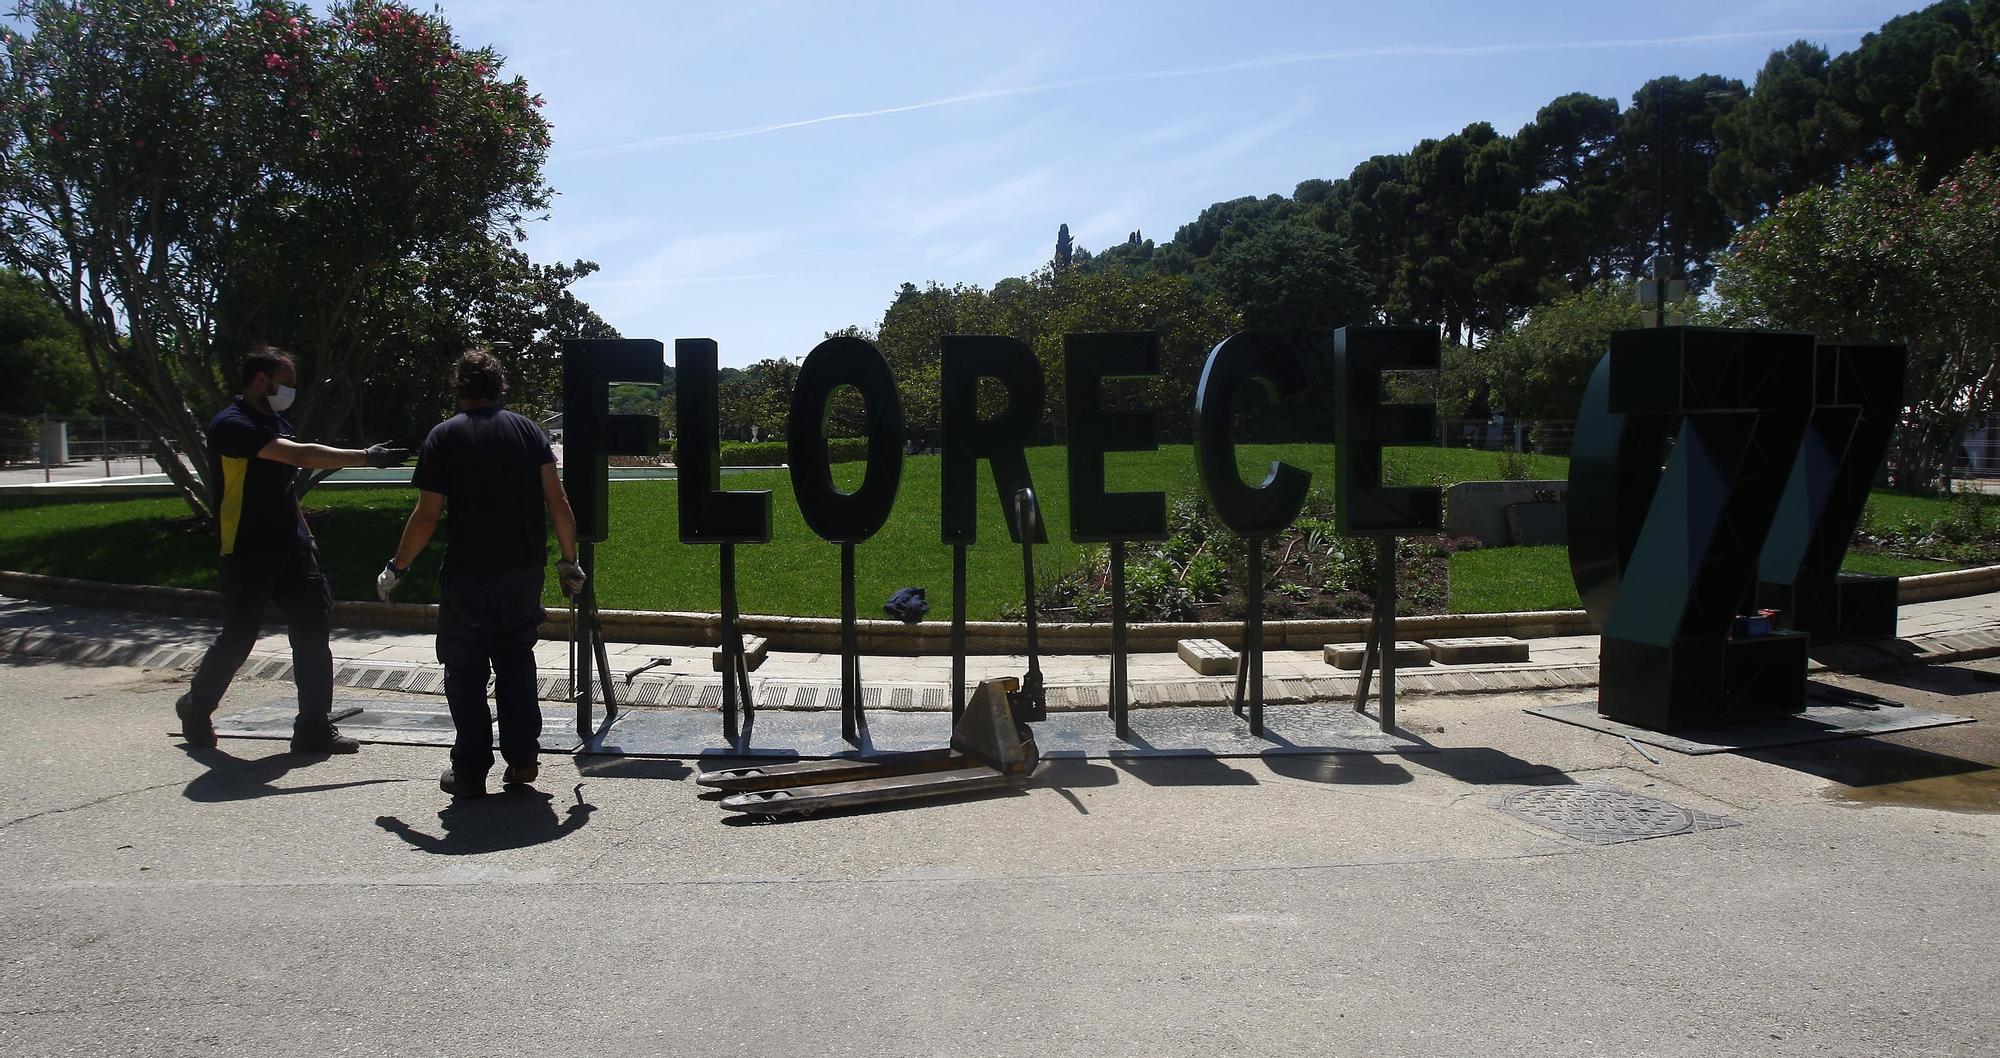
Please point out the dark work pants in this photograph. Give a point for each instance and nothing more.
(487, 622)
(292, 580)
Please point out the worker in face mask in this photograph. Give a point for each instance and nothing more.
(268, 553)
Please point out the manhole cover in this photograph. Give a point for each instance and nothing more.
(1598, 813)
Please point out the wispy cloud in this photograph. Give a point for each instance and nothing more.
(1263, 63)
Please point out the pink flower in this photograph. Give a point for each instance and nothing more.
(355, 151)
(169, 45)
(271, 60)
(315, 134)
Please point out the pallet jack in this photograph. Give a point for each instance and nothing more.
(988, 751)
(991, 746)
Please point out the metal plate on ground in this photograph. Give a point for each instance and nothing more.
(1819, 723)
(402, 722)
(1605, 815)
(1166, 732)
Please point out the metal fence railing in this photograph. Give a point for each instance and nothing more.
(1500, 434)
(68, 447)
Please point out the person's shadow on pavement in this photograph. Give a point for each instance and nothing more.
(233, 778)
(515, 818)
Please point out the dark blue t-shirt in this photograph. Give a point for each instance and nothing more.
(257, 510)
(487, 464)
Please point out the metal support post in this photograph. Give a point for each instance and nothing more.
(1034, 705)
(1381, 644)
(1250, 664)
(850, 651)
(1120, 676)
(1385, 608)
(957, 633)
(587, 648)
(735, 668)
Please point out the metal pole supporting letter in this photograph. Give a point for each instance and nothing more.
(957, 634)
(1120, 677)
(1385, 606)
(850, 651)
(732, 647)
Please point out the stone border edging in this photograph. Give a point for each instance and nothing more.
(929, 638)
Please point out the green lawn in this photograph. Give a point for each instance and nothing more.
(644, 566)
(1507, 579)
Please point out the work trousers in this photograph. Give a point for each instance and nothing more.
(487, 624)
(293, 580)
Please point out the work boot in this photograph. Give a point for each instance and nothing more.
(520, 774)
(322, 738)
(450, 783)
(197, 726)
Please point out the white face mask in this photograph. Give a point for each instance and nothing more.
(283, 398)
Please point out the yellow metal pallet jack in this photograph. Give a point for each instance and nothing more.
(988, 751)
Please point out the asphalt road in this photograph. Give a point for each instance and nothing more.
(156, 901)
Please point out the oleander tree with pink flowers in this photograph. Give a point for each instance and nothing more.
(1889, 256)
(187, 177)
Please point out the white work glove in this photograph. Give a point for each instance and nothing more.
(382, 457)
(386, 581)
(570, 575)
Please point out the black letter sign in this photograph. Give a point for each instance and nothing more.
(591, 432)
(1097, 516)
(1858, 398)
(1002, 440)
(836, 516)
(1253, 511)
(1736, 404)
(1362, 506)
(708, 514)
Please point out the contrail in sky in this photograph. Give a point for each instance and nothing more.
(1267, 62)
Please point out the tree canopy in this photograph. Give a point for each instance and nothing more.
(187, 179)
(1881, 257)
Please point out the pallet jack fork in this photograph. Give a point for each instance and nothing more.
(988, 751)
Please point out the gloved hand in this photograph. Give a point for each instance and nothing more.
(569, 574)
(382, 456)
(386, 581)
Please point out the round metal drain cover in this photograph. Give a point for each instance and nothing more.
(1598, 813)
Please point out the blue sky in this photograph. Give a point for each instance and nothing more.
(763, 172)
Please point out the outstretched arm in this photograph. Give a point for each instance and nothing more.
(325, 457)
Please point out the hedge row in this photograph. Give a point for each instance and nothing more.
(778, 453)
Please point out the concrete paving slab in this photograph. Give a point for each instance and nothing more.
(398, 722)
(158, 900)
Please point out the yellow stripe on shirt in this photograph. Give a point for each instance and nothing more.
(233, 471)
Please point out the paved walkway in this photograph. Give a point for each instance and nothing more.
(388, 661)
(1500, 893)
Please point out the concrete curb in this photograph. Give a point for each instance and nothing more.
(929, 638)
(704, 690)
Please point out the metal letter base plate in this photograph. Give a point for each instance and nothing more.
(1818, 723)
